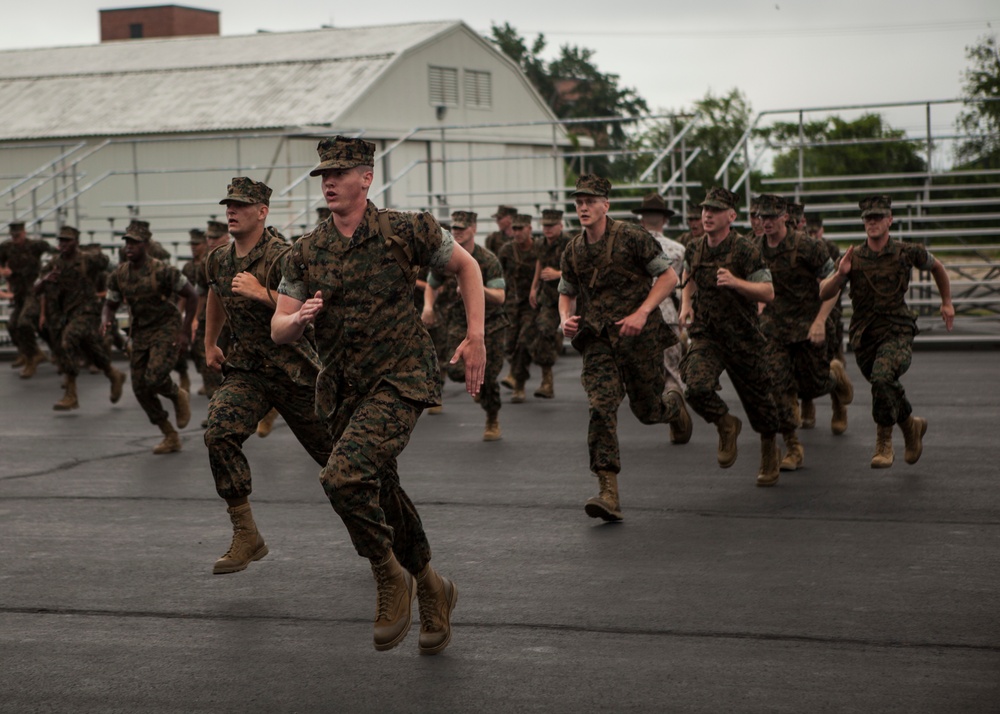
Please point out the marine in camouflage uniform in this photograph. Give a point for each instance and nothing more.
(156, 330)
(71, 286)
(882, 326)
(695, 228)
(795, 322)
(503, 234)
(20, 263)
(623, 275)
(518, 259)
(216, 235)
(353, 278)
(197, 244)
(463, 226)
(544, 297)
(259, 375)
(724, 279)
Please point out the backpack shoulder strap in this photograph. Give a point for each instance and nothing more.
(399, 248)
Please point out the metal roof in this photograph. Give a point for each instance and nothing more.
(198, 84)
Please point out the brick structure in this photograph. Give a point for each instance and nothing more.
(131, 23)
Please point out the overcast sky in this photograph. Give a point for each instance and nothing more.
(782, 54)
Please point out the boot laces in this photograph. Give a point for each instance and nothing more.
(428, 610)
(386, 592)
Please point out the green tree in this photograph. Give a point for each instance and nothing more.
(837, 147)
(575, 88)
(980, 121)
(719, 123)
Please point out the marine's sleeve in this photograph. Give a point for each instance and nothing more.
(649, 253)
(918, 256)
(114, 289)
(175, 278)
(753, 265)
(820, 259)
(293, 273)
(432, 245)
(492, 272)
(568, 283)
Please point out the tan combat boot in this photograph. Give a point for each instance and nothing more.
(492, 431)
(729, 428)
(265, 425)
(31, 365)
(883, 457)
(681, 427)
(437, 409)
(19, 361)
(808, 414)
(769, 470)
(436, 598)
(393, 602)
(794, 455)
(518, 397)
(546, 390)
(171, 440)
(185, 382)
(248, 544)
(69, 400)
(913, 430)
(182, 408)
(605, 504)
(508, 381)
(841, 396)
(117, 380)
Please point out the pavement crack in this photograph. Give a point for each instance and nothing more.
(72, 463)
(518, 626)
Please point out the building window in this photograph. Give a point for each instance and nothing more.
(444, 86)
(135, 30)
(478, 89)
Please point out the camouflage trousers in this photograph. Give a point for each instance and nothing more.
(883, 362)
(521, 339)
(238, 404)
(369, 431)
(80, 339)
(489, 394)
(614, 367)
(548, 339)
(22, 324)
(749, 372)
(151, 361)
(835, 334)
(808, 367)
(439, 336)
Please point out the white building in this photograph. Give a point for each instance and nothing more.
(156, 128)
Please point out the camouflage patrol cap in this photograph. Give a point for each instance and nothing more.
(503, 211)
(463, 219)
(246, 190)
(754, 205)
(521, 220)
(197, 235)
(693, 210)
(552, 217)
(718, 197)
(795, 210)
(342, 152)
(216, 229)
(16, 226)
(770, 205)
(592, 185)
(875, 206)
(139, 231)
(68, 233)
(654, 203)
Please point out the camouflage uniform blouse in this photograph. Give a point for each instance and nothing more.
(550, 254)
(496, 316)
(495, 241)
(251, 347)
(796, 265)
(368, 331)
(519, 271)
(25, 263)
(878, 289)
(722, 314)
(615, 288)
(149, 291)
(79, 280)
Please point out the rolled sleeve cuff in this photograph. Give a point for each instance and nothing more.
(497, 283)
(567, 288)
(442, 256)
(294, 289)
(658, 265)
(760, 276)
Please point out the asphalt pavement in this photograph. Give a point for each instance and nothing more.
(842, 589)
